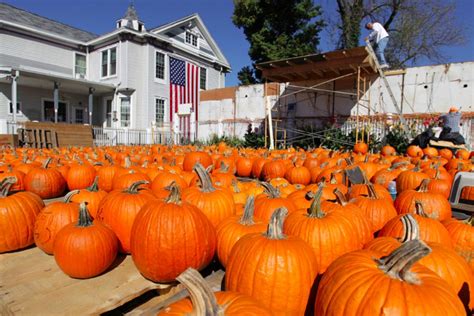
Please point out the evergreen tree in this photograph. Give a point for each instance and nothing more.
(278, 29)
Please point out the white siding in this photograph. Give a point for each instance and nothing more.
(35, 55)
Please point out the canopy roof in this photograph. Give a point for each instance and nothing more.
(318, 66)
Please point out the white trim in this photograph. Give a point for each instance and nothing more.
(52, 100)
(207, 78)
(109, 48)
(104, 103)
(192, 34)
(119, 110)
(18, 108)
(204, 31)
(74, 64)
(165, 109)
(166, 65)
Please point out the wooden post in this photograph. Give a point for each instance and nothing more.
(357, 108)
(269, 115)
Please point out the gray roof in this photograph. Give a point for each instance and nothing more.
(12, 14)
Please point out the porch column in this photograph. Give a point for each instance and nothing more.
(56, 101)
(91, 104)
(14, 101)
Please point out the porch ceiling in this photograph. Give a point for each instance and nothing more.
(40, 80)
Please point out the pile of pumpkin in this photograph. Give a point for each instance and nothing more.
(291, 232)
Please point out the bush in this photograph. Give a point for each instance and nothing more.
(253, 139)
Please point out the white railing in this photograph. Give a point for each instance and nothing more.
(121, 136)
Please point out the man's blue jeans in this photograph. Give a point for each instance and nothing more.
(379, 49)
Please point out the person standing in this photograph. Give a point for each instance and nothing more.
(379, 40)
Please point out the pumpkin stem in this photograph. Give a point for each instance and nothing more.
(203, 299)
(340, 197)
(47, 162)
(275, 226)
(424, 186)
(411, 230)
(333, 179)
(397, 265)
(470, 221)
(437, 172)
(224, 168)
(418, 166)
(364, 177)
(398, 164)
(235, 186)
(5, 186)
(68, 197)
(175, 194)
(128, 162)
(419, 209)
(270, 190)
(204, 178)
(315, 210)
(134, 187)
(85, 218)
(94, 186)
(371, 190)
(247, 216)
(109, 159)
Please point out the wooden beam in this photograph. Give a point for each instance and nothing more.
(336, 63)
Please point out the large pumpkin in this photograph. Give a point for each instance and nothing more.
(216, 204)
(330, 234)
(92, 196)
(376, 209)
(170, 236)
(85, 249)
(52, 219)
(462, 235)
(410, 179)
(196, 157)
(80, 176)
(46, 182)
(435, 205)
(119, 208)
(204, 302)
(275, 269)
(230, 230)
(17, 217)
(370, 283)
(266, 203)
(430, 230)
(444, 261)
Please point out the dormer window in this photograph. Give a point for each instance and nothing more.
(191, 39)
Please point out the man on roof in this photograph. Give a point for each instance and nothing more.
(379, 40)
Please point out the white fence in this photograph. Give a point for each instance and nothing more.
(117, 136)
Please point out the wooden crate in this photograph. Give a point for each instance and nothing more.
(66, 134)
(32, 284)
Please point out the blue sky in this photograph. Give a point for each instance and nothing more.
(99, 16)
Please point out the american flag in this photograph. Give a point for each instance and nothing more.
(184, 88)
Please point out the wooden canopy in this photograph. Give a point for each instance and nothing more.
(318, 66)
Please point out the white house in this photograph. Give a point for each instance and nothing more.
(131, 77)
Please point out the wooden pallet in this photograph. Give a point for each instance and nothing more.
(32, 283)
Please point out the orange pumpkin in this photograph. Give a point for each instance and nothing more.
(230, 230)
(46, 182)
(17, 217)
(80, 176)
(204, 302)
(266, 203)
(329, 233)
(216, 204)
(399, 272)
(92, 196)
(252, 270)
(119, 209)
(170, 236)
(435, 205)
(52, 219)
(193, 158)
(86, 248)
(462, 235)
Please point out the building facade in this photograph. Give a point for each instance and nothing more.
(126, 78)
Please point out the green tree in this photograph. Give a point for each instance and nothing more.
(278, 29)
(246, 76)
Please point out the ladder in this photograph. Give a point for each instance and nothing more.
(371, 52)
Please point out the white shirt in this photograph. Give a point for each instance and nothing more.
(378, 32)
